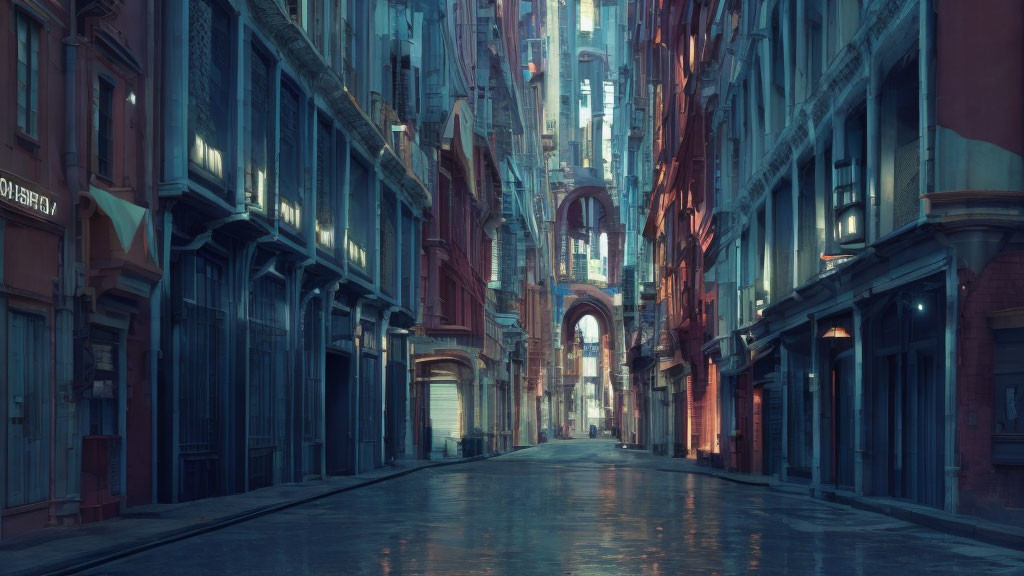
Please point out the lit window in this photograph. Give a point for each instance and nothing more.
(209, 85)
(258, 141)
(586, 16)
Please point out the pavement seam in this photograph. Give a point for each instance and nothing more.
(78, 565)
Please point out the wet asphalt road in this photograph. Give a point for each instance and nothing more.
(570, 507)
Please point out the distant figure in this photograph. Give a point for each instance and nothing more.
(593, 431)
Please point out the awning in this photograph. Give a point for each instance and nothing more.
(126, 218)
(458, 136)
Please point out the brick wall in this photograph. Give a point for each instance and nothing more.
(985, 490)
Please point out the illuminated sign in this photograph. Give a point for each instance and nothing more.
(26, 198)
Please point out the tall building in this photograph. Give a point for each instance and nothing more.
(479, 347)
(80, 262)
(851, 178)
(292, 189)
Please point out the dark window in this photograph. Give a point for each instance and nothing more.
(388, 245)
(28, 74)
(104, 127)
(209, 86)
(409, 232)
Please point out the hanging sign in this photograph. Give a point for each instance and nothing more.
(12, 192)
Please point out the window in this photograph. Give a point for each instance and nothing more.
(258, 142)
(28, 75)
(1008, 400)
(209, 86)
(410, 230)
(324, 191)
(290, 157)
(360, 217)
(388, 244)
(103, 118)
(495, 260)
(586, 16)
(297, 12)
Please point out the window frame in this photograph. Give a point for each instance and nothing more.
(103, 78)
(222, 184)
(258, 49)
(324, 126)
(288, 84)
(28, 131)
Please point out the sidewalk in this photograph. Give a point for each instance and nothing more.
(68, 550)
(1005, 535)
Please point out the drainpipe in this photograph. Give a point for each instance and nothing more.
(155, 302)
(69, 285)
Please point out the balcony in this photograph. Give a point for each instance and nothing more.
(506, 302)
(416, 161)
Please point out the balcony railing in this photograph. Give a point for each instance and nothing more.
(416, 161)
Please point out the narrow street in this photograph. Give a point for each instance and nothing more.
(570, 507)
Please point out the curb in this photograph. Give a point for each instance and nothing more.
(965, 527)
(87, 562)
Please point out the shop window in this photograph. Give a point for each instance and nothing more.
(102, 394)
(28, 74)
(1008, 398)
(209, 88)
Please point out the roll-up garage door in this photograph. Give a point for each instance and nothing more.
(444, 414)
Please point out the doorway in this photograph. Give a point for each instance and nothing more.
(337, 415)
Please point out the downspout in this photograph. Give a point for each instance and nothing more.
(69, 285)
(155, 303)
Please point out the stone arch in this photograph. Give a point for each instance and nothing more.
(612, 225)
(576, 415)
(593, 306)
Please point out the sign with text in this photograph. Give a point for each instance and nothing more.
(14, 192)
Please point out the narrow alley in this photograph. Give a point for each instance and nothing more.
(511, 286)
